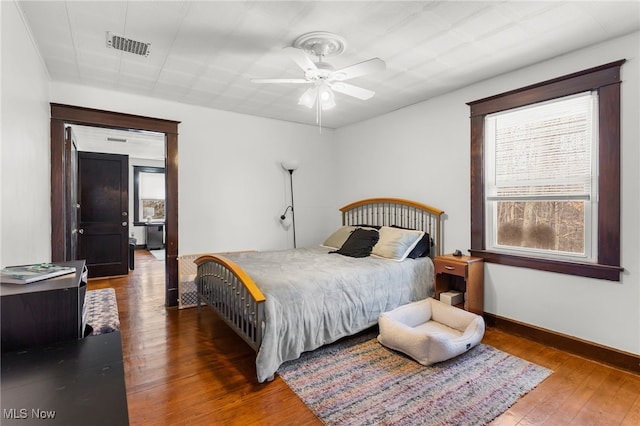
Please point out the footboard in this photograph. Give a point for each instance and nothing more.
(233, 295)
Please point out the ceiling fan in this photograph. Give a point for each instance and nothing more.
(323, 78)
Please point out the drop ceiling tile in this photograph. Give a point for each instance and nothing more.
(98, 60)
(621, 17)
(486, 21)
(184, 64)
(139, 68)
(99, 16)
(197, 97)
(506, 37)
(89, 70)
(170, 91)
(557, 18)
(454, 12)
(47, 20)
(173, 78)
(210, 86)
(218, 74)
(466, 56)
(60, 68)
(56, 51)
(519, 10)
(129, 81)
(429, 69)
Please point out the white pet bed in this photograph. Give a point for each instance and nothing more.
(430, 331)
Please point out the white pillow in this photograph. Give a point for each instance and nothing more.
(396, 243)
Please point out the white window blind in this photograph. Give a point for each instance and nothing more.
(541, 178)
(151, 186)
(543, 151)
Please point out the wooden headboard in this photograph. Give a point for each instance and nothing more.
(399, 212)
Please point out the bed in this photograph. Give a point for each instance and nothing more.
(283, 303)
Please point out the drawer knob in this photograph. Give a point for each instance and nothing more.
(450, 268)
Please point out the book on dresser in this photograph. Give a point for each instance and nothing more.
(25, 274)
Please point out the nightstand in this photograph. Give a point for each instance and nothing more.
(464, 274)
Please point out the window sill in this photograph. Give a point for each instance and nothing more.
(591, 270)
(152, 223)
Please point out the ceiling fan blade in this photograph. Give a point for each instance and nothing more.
(366, 67)
(280, 80)
(351, 90)
(301, 58)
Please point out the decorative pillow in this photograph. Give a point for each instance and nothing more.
(359, 244)
(422, 249)
(396, 243)
(337, 239)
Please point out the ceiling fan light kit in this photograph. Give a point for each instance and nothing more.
(323, 77)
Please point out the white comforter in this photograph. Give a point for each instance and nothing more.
(314, 298)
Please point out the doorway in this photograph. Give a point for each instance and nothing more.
(62, 176)
(142, 199)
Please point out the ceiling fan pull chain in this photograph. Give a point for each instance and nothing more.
(319, 118)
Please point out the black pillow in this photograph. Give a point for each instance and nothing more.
(422, 249)
(362, 225)
(359, 244)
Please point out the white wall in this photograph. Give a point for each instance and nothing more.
(24, 151)
(422, 153)
(232, 188)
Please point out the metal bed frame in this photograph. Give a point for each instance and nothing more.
(236, 298)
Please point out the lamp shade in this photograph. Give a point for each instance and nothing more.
(290, 164)
(308, 98)
(327, 98)
(286, 222)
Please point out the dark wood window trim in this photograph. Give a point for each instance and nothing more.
(136, 190)
(61, 114)
(605, 80)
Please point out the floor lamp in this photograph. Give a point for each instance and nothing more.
(290, 166)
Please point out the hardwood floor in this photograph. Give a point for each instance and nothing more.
(184, 367)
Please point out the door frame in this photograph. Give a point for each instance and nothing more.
(61, 114)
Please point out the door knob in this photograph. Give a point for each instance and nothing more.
(81, 231)
(124, 223)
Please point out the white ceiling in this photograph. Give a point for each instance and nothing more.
(206, 52)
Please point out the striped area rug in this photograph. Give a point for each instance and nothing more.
(360, 382)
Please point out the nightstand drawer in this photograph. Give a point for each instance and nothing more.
(451, 268)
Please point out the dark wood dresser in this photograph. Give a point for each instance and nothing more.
(45, 311)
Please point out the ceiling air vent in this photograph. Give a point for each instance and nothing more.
(121, 140)
(119, 42)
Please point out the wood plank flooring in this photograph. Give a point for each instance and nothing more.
(187, 368)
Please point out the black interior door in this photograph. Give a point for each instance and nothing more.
(103, 181)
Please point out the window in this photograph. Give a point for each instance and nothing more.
(545, 176)
(539, 188)
(149, 194)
